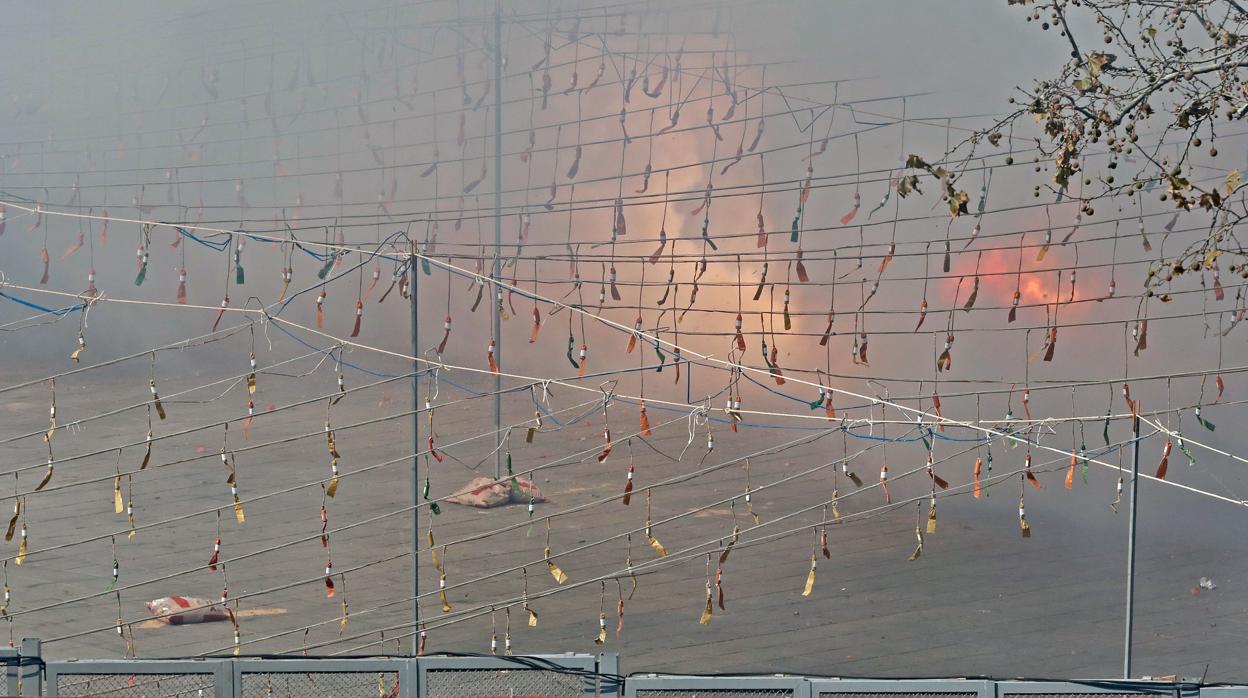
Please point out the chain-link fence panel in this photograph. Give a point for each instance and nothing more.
(718, 693)
(898, 694)
(1089, 694)
(320, 684)
(466, 683)
(136, 685)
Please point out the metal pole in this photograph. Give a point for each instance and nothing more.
(415, 307)
(498, 234)
(29, 668)
(1135, 480)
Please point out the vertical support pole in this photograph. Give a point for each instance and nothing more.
(409, 679)
(609, 665)
(498, 233)
(1135, 480)
(688, 382)
(415, 321)
(29, 668)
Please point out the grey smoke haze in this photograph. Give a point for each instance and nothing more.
(155, 109)
(118, 99)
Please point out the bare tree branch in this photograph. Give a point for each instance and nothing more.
(1174, 67)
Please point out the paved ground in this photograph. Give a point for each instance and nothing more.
(980, 600)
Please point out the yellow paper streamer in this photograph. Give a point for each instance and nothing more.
(446, 604)
(736, 533)
(918, 549)
(239, 516)
(119, 504)
(147, 454)
(17, 512)
(601, 639)
(654, 543)
(329, 441)
(342, 390)
(22, 547)
(558, 574)
(810, 577)
(160, 409)
(82, 346)
(433, 553)
(332, 488)
(47, 436)
(342, 625)
(47, 476)
(130, 513)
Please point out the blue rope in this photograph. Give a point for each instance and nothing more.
(218, 246)
(361, 369)
(35, 306)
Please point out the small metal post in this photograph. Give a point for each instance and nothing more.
(415, 329)
(29, 668)
(498, 233)
(1135, 480)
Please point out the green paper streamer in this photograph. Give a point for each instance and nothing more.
(515, 486)
(138, 280)
(571, 346)
(988, 462)
(329, 263)
(706, 236)
(818, 402)
(433, 506)
(1191, 460)
(889, 192)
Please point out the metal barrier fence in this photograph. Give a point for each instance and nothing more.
(547, 676)
(23, 668)
(569, 675)
(321, 678)
(667, 686)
